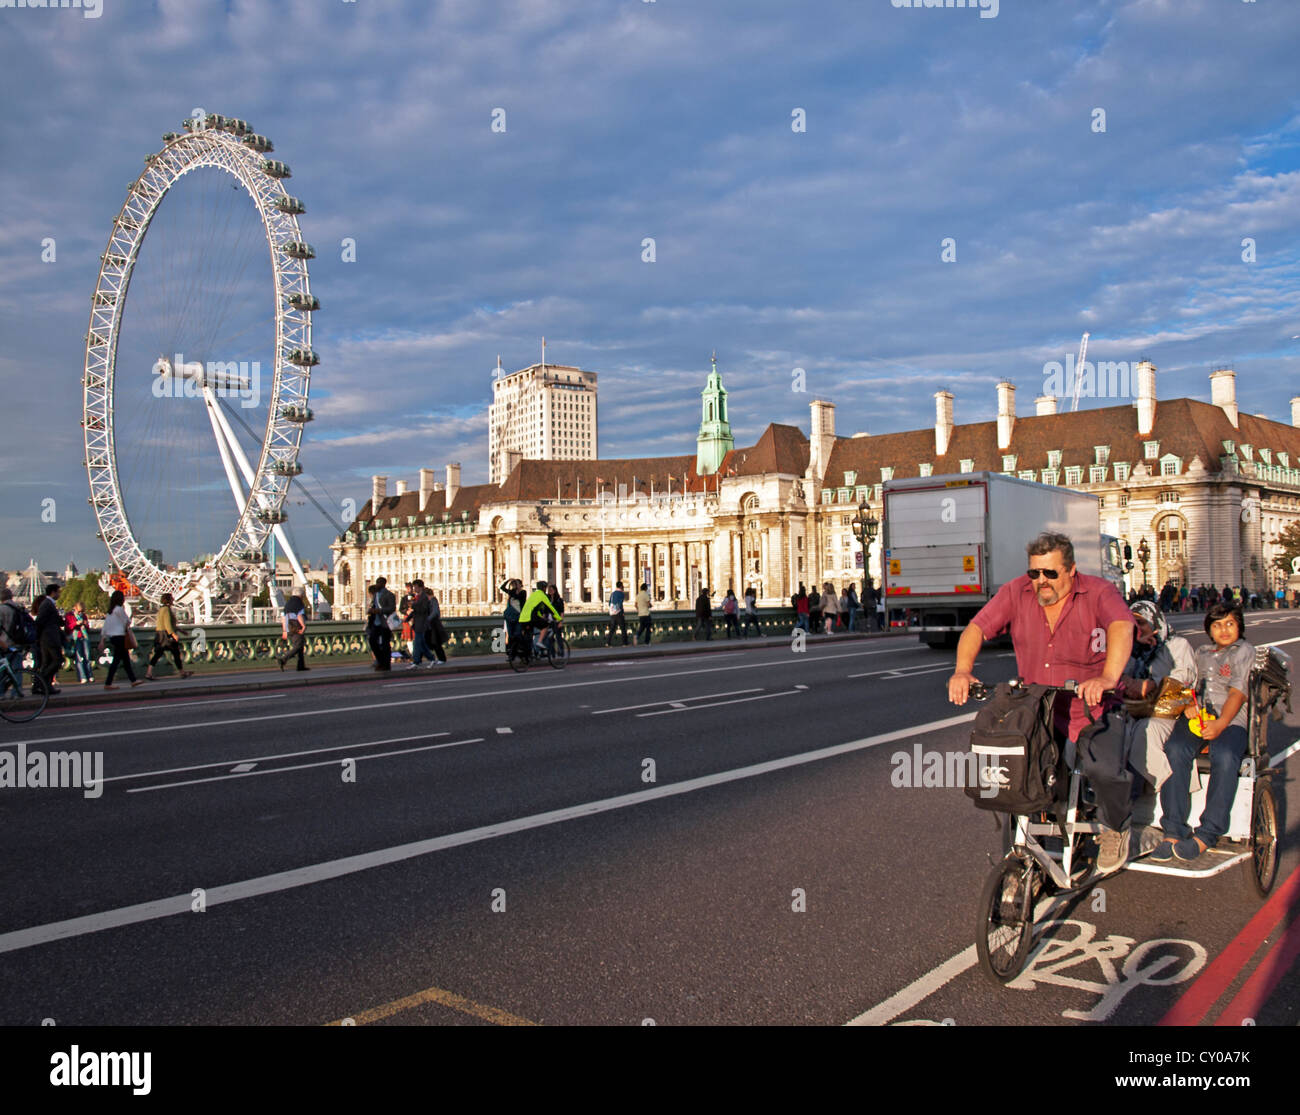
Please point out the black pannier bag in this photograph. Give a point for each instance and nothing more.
(1016, 754)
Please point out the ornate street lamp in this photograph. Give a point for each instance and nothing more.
(1144, 556)
(865, 527)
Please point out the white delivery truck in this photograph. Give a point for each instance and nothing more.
(950, 542)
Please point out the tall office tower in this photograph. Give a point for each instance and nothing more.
(545, 412)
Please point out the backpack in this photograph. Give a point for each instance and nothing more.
(1016, 751)
(24, 627)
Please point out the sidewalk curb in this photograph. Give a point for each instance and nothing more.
(169, 688)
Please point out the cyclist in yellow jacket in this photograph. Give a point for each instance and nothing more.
(528, 614)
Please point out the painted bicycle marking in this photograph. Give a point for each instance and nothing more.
(1155, 963)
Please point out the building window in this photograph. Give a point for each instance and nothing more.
(968, 465)
(1169, 466)
(1151, 450)
(1121, 472)
(887, 472)
(1008, 462)
(1053, 458)
(1097, 474)
(851, 478)
(1101, 503)
(1123, 499)
(1102, 454)
(1169, 495)
(1051, 476)
(1247, 451)
(927, 469)
(1028, 474)
(1074, 476)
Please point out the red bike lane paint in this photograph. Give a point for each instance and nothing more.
(1199, 999)
(1264, 980)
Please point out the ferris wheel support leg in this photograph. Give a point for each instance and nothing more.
(218, 418)
(235, 487)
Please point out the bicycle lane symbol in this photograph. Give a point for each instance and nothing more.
(1156, 963)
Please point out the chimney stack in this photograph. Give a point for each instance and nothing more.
(1223, 392)
(823, 437)
(453, 483)
(426, 487)
(1045, 404)
(1295, 412)
(942, 422)
(401, 488)
(1006, 413)
(1146, 397)
(378, 492)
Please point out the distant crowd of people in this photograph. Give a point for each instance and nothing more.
(1199, 598)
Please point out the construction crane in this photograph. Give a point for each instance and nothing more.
(1078, 370)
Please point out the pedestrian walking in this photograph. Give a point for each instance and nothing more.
(49, 636)
(117, 634)
(799, 601)
(166, 639)
(12, 620)
(852, 606)
(416, 618)
(379, 632)
(751, 612)
(643, 614)
(703, 615)
(293, 630)
(77, 624)
(814, 610)
(617, 618)
(731, 613)
(436, 634)
(830, 607)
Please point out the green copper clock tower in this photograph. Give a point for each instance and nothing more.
(714, 441)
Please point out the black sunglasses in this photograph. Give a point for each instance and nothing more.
(1050, 574)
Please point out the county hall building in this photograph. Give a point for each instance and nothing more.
(1207, 486)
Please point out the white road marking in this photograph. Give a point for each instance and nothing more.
(715, 704)
(333, 869)
(242, 768)
(936, 977)
(669, 700)
(272, 758)
(505, 731)
(316, 713)
(158, 706)
(906, 671)
(1283, 756)
(298, 766)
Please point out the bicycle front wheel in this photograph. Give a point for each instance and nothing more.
(18, 709)
(1006, 919)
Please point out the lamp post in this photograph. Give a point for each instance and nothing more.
(865, 526)
(1144, 556)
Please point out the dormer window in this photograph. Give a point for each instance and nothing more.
(1121, 472)
(1229, 447)
(927, 469)
(1151, 450)
(1097, 474)
(1074, 476)
(1051, 476)
(1170, 465)
(1102, 454)
(968, 465)
(1008, 462)
(1053, 458)
(1284, 459)
(1247, 451)
(850, 479)
(1266, 455)
(887, 472)
(1028, 474)
(827, 495)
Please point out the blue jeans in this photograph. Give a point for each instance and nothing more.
(81, 655)
(1226, 754)
(853, 617)
(420, 649)
(15, 658)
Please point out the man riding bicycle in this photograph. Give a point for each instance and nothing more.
(530, 619)
(1066, 625)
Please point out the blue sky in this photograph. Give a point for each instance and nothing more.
(781, 249)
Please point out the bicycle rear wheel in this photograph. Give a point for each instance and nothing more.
(558, 652)
(518, 656)
(18, 709)
(1006, 919)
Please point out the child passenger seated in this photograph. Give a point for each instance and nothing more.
(1222, 673)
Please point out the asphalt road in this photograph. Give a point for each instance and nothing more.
(711, 838)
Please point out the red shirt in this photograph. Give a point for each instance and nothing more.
(1075, 651)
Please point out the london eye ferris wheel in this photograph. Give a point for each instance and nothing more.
(198, 392)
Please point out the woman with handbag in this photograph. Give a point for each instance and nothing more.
(166, 639)
(117, 633)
